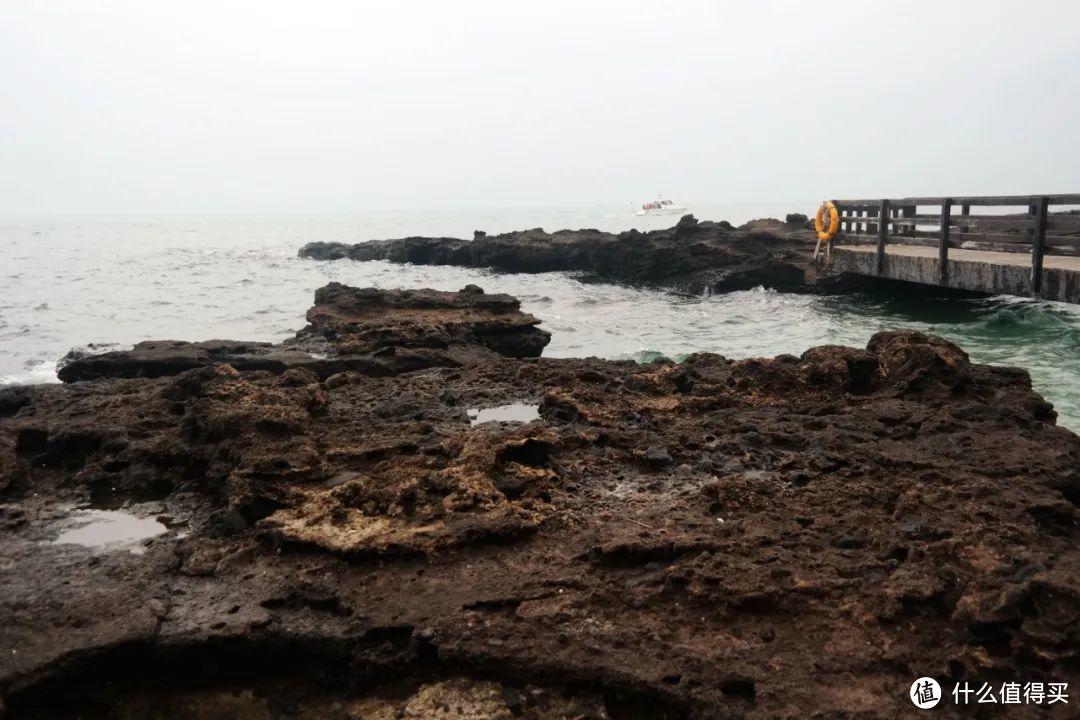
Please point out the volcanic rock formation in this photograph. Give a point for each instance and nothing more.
(786, 537)
(691, 257)
(365, 329)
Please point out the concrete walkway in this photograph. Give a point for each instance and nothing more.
(998, 273)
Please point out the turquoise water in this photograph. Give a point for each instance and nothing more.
(112, 282)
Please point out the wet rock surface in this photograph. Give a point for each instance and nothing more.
(752, 539)
(691, 257)
(362, 329)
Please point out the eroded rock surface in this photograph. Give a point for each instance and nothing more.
(691, 257)
(363, 329)
(786, 537)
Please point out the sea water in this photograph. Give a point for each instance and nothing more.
(107, 283)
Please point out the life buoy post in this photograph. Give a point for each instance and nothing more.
(827, 224)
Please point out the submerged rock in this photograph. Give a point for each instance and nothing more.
(753, 538)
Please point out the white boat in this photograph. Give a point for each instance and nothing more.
(660, 206)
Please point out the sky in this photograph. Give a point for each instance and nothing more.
(229, 106)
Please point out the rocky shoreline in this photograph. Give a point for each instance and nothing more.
(691, 257)
(327, 527)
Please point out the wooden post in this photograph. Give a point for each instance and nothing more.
(965, 209)
(882, 230)
(909, 211)
(1039, 245)
(943, 242)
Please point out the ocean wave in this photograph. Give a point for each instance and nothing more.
(37, 376)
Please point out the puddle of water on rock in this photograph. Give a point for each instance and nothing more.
(513, 412)
(107, 530)
(107, 497)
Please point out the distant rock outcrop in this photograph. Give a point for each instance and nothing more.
(692, 256)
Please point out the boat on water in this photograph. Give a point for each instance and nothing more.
(661, 206)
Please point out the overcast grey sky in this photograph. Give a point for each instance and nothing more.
(110, 106)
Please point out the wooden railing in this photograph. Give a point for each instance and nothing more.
(1036, 229)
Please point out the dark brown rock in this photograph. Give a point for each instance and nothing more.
(351, 329)
(712, 538)
(692, 256)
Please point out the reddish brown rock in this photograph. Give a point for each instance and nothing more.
(761, 538)
(365, 330)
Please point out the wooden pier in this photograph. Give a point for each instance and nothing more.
(1024, 245)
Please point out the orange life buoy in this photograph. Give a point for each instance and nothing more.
(827, 222)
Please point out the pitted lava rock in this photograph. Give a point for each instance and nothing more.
(691, 257)
(363, 329)
(763, 538)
